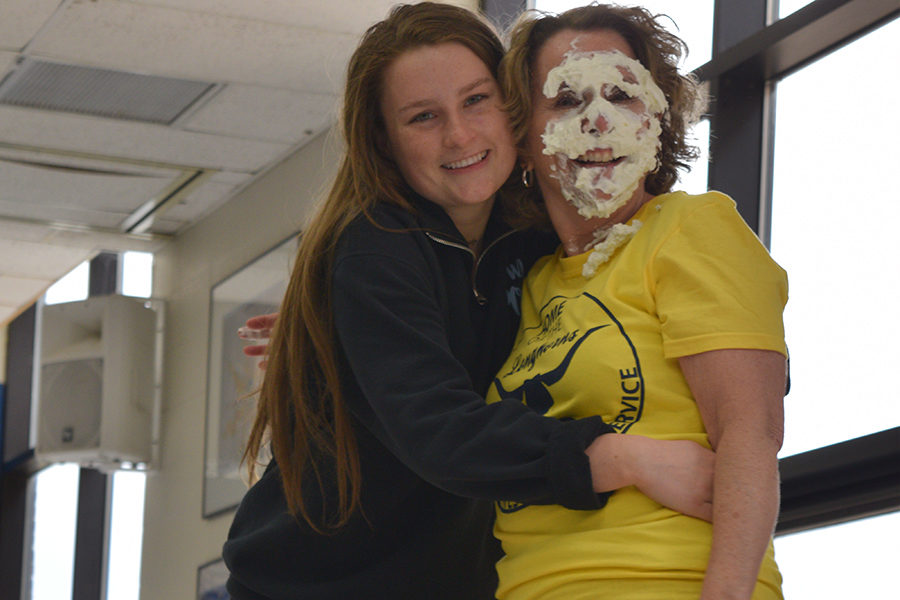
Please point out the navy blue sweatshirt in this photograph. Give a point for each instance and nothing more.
(423, 327)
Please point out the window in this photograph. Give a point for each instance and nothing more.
(53, 524)
(137, 274)
(52, 529)
(72, 287)
(834, 211)
(787, 7)
(126, 529)
(862, 556)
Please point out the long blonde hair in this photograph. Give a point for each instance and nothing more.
(301, 405)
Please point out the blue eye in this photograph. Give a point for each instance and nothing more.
(422, 117)
(475, 99)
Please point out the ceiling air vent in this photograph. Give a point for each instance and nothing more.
(99, 92)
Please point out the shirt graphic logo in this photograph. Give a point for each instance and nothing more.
(534, 393)
(582, 333)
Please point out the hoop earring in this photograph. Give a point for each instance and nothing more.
(528, 177)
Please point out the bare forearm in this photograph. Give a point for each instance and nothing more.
(745, 507)
(740, 396)
(676, 473)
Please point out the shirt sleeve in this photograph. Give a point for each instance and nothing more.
(419, 401)
(716, 286)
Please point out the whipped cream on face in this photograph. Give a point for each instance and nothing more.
(614, 160)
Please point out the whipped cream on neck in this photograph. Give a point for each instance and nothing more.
(606, 242)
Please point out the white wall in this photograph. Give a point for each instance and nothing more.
(176, 537)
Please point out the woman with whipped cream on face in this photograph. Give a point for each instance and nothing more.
(660, 312)
(402, 304)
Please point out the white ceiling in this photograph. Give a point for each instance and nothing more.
(72, 184)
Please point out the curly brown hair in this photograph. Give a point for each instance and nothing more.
(658, 51)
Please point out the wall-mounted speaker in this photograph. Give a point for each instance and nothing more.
(95, 390)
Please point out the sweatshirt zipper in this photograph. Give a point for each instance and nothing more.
(479, 297)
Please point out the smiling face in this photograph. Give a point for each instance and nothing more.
(595, 128)
(446, 129)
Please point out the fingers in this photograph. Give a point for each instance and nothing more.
(246, 333)
(255, 350)
(258, 328)
(262, 321)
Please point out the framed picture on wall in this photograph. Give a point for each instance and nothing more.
(255, 289)
(211, 578)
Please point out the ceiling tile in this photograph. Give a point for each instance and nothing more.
(22, 19)
(253, 112)
(23, 232)
(44, 188)
(203, 46)
(74, 161)
(95, 241)
(348, 16)
(107, 93)
(189, 209)
(7, 60)
(200, 201)
(63, 215)
(15, 291)
(84, 242)
(39, 261)
(168, 226)
(232, 177)
(139, 141)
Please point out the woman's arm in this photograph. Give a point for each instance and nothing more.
(740, 395)
(257, 331)
(419, 400)
(676, 473)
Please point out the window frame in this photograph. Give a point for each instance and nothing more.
(858, 477)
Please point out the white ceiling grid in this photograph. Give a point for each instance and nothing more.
(69, 181)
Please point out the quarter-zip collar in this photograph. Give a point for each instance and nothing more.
(439, 228)
(438, 224)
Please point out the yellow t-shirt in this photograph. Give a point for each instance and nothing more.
(694, 278)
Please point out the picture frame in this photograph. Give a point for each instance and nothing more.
(232, 377)
(211, 579)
